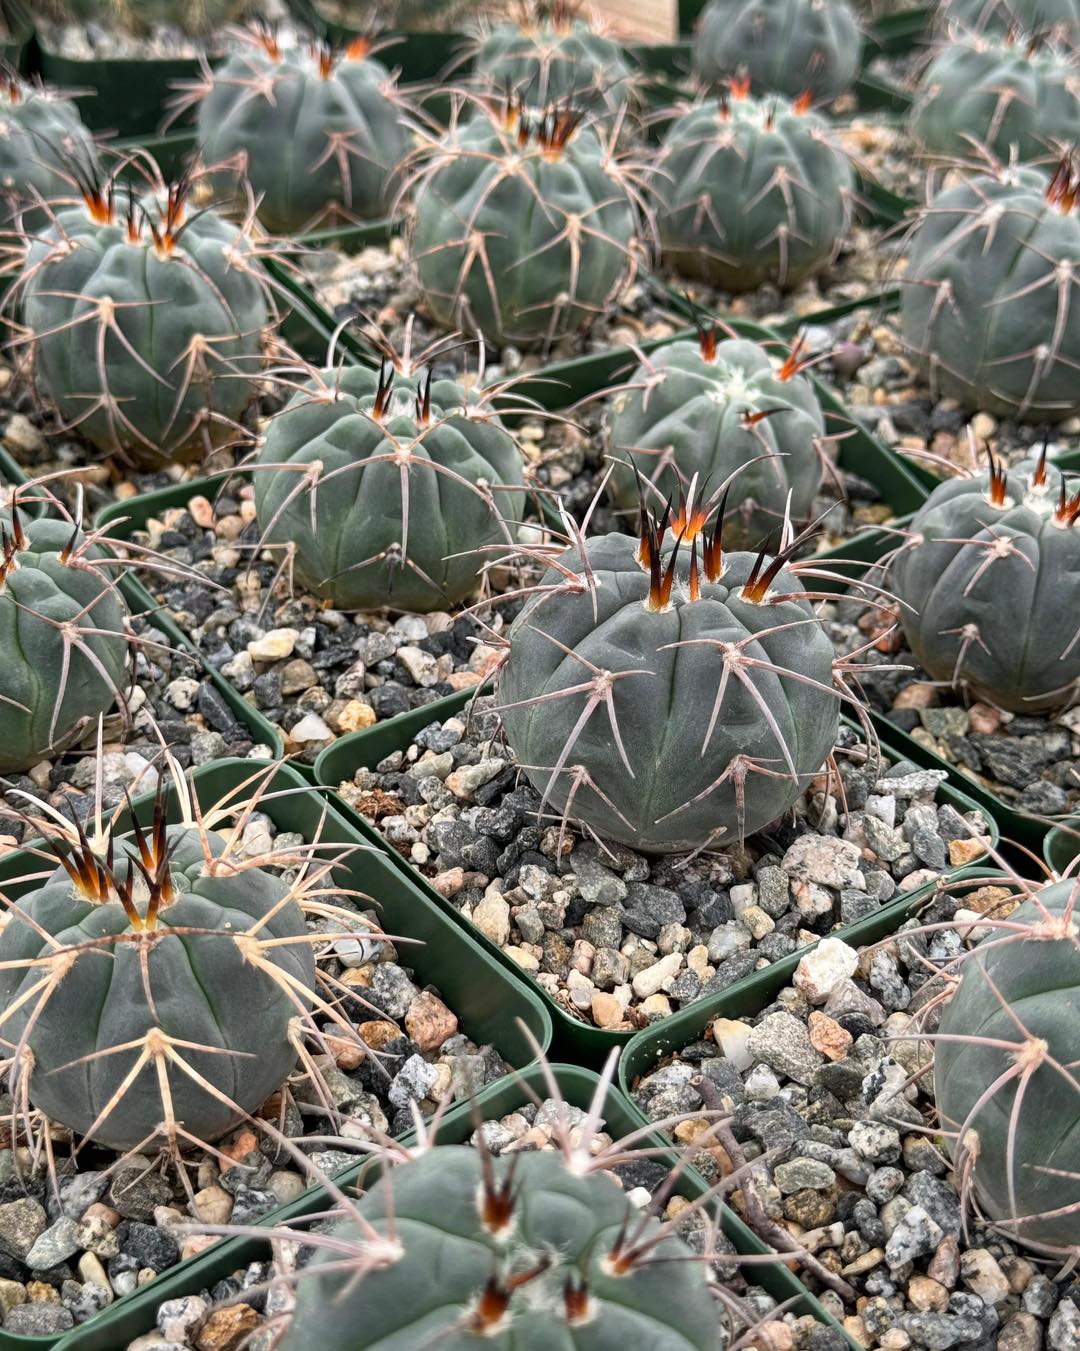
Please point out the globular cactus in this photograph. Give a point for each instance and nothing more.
(147, 321)
(317, 133)
(197, 18)
(1005, 1080)
(988, 306)
(669, 698)
(63, 633)
(999, 95)
(751, 191)
(41, 132)
(158, 986)
(784, 46)
(388, 496)
(1057, 18)
(553, 56)
(723, 413)
(526, 227)
(987, 580)
(456, 1249)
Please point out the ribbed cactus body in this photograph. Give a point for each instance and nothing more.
(1061, 17)
(566, 1234)
(667, 782)
(990, 585)
(709, 409)
(520, 233)
(1026, 1132)
(403, 501)
(152, 349)
(204, 990)
(984, 308)
(319, 135)
(985, 94)
(556, 63)
(39, 130)
(785, 46)
(750, 191)
(54, 683)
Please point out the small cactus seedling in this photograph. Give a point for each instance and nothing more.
(998, 96)
(160, 984)
(526, 225)
(751, 191)
(554, 56)
(40, 133)
(988, 303)
(385, 486)
(197, 18)
(723, 413)
(63, 632)
(317, 133)
(146, 320)
(1054, 18)
(1005, 1071)
(669, 695)
(784, 46)
(986, 582)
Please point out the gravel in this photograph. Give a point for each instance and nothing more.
(66, 1254)
(827, 1086)
(617, 938)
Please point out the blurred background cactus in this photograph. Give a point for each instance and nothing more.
(987, 584)
(41, 137)
(987, 308)
(751, 190)
(784, 46)
(317, 133)
(1058, 17)
(723, 412)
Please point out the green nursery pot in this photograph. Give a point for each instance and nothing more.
(137, 1314)
(494, 1007)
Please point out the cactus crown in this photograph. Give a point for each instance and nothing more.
(161, 984)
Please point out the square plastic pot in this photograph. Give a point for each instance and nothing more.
(137, 1315)
(494, 1006)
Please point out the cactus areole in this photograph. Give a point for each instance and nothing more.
(1005, 1071)
(156, 959)
(520, 1253)
(669, 697)
(990, 581)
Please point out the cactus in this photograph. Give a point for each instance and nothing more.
(518, 1251)
(985, 580)
(41, 132)
(1059, 18)
(525, 227)
(554, 57)
(987, 94)
(1005, 1071)
(384, 496)
(988, 308)
(784, 46)
(201, 1009)
(751, 190)
(669, 699)
(146, 321)
(720, 411)
(318, 134)
(63, 632)
(193, 17)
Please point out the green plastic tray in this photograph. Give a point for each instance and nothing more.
(495, 1008)
(136, 1315)
(1062, 844)
(124, 517)
(124, 96)
(573, 1037)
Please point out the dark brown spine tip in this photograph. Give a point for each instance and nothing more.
(423, 400)
(1064, 185)
(575, 1300)
(695, 580)
(490, 1308)
(707, 341)
(1068, 508)
(763, 575)
(712, 555)
(661, 581)
(497, 1203)
(324, 59)
(67, 552)
(1038, 478)
(795, 361)
(998, 485)
(739, 86)
(267, 40)
(803, 103)
(18, 533)
(383, 390)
